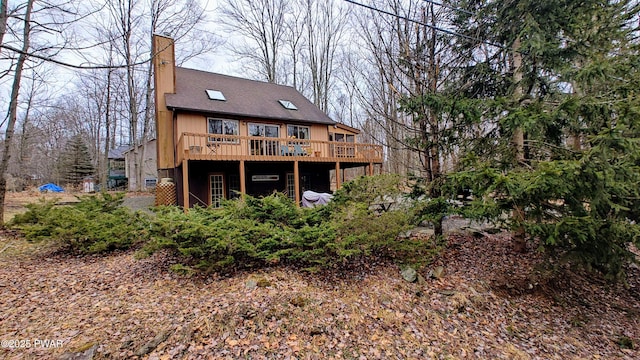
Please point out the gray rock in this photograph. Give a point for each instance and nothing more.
(251, 284)
(151, 345)
(437, 273)
(82, 355)
(424, 232)
(409, 274)
(421, 280)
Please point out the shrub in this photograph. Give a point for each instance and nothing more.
(370, 189)
(214, 239)
(261, 231)
(249, 233)
(95, 224)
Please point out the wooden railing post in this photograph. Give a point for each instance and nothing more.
(185, 185)
(296, 182)
(243, 181)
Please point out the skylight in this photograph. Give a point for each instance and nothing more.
(288, 104)
(215, 95)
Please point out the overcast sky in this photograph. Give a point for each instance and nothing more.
(220, 61)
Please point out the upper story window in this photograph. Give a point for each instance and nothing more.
(298, 132)
(223, 127)
(216, 95)
(342, 137)
(288, 104)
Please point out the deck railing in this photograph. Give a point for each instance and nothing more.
(195, 146)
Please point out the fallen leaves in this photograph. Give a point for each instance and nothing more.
(137, 307)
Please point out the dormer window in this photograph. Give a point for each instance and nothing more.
(215, 95)
(288, 105)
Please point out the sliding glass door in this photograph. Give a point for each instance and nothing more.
(264, 146)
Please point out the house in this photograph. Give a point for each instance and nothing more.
(219, 136)
(147, 152)
(116, 173)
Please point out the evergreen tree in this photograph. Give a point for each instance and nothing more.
(75, 161)
(561, 76)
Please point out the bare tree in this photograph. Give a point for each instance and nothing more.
(325, 24)
(183, 21)
(261, 23)
(383, 82)
(36, 101)
(292, 66)
(125, 20)
(3, 20)
(13, 105)
(407, 57)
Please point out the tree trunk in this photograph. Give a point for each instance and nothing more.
(148, 115)
(519, 236)
(25, 136)
(107, 124)
(518, 134)
(13, 108)
(3, 20)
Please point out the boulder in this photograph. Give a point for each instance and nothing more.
(409, 274)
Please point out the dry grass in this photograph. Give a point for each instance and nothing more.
(15, 201)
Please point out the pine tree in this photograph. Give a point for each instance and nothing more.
(564, 74)
(75, 161)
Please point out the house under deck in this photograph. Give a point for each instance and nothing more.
(230, 165)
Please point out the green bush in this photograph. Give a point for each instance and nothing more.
(268, 230)
(95, 224)
(369, 189)
(245, 233)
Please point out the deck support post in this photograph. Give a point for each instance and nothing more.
(185, 185)
(243, 180)
(370, 169)
(296, 181)
(338, 176)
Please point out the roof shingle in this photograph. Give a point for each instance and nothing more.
(245, 98)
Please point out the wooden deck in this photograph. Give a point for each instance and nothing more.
(192, 146)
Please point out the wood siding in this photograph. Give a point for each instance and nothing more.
(164, 81)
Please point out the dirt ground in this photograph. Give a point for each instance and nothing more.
(487, 303)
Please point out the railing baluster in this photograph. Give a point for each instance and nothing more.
(209, 146)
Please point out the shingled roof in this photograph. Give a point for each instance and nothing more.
(245, 98)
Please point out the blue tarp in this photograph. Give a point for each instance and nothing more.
(50, 187)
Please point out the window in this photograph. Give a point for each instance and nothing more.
(288, 105)
(234, 186)
(297, 132)
(215, 95)
(223, 127)
(150, 183)
(342, 138)
(217, 190)
(291, 188)
(264, 146)
(339, 150)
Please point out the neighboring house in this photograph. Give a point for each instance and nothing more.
(148, 152)
(220, 135)
(117, 178)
